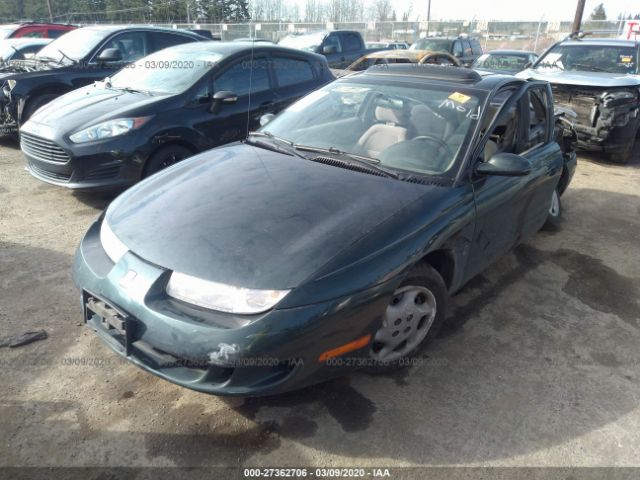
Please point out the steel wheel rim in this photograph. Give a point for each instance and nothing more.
(555, 204)
(168, 161)
(407, 320)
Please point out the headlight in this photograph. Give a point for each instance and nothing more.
(110, 128)
(218, 296)
(112, 245)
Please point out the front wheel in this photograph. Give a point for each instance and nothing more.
(165, 157)
(412, 318)
(554, 217)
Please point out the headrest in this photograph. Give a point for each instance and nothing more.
(388, 115)
(426, 120)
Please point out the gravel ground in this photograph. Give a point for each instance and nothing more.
(537, 366)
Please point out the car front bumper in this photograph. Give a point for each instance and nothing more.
(112, 164)
(215, 352)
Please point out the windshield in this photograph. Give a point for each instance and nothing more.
(432, 44)
(75, 44)
(590, 58)
(309, 42)
(502, 62)
(409, 128)
(170, 71)
(6, 51)
(5, 32)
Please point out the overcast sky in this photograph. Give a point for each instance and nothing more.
(511, 9)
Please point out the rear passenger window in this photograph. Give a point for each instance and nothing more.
(291, 71)
(475, 47)
(350, 42)
(240, 79)
(467, 48)
(457, 48)
(165, 40)
(55, 33)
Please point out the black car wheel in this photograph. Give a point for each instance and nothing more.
(165, 157)
(412, 318)
(555, 212)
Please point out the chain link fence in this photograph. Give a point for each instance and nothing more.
(535, 36)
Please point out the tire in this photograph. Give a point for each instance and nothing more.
(34, 105)
(554, 217)
(165, 157)
(411, 321)
(623, 156)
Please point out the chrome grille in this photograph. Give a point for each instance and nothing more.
(42, 149)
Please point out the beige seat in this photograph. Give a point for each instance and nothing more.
(380, 136)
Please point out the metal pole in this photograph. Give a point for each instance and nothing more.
(577, 21)
(50, 11)
(428, 15)
(535, 45)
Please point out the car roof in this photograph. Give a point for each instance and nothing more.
(115, 28)
(511, 52)
(612, 42)
(450, 75)
(231, 48)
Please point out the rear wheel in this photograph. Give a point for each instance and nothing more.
(165, 157)
(623, 156)
(412, 318)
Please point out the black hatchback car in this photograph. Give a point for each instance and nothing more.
(162, 109)
(74, 60)
(331, 238)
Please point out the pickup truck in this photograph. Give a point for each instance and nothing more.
(341, 47)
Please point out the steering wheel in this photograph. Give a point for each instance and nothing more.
(438, 141)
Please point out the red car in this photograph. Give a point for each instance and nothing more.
(31, 29)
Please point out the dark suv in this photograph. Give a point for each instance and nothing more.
(33, 29)
(74, 60)
(599, 80)
(465, 49)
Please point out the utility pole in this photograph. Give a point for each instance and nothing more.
(50, 11)
(428, 15)
(577, 21)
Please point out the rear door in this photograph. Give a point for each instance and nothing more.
(294, 77)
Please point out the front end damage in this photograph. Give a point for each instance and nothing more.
(565, 135)
(606, 118)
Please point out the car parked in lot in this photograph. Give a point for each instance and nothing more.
(76, 59)
(20, 48)
(163, 108)
(341, 47)
(387, 57)
(387, 45)
(464, 48)
(34, 30)
(505, 61)
(598, 79)
(331, 238)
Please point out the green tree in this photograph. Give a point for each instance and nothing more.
(598, 13)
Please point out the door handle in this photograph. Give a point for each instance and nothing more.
(267, 104)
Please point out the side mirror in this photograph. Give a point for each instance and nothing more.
(329, 49)
(266, 118)
(220, 98)
(504, 164)
(110, 55)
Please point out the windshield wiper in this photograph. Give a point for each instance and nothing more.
(273, 143)
(369, 162)
(73, 60)
(592, 68)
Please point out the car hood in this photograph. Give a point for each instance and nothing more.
(589, 79)
(250, 217)
(88, 106)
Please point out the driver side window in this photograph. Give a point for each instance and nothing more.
(132, 45)
(504, 137)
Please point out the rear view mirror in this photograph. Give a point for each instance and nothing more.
(329, 49)
(504, 164)
(110, 55)
(266, 118)
(220, 98)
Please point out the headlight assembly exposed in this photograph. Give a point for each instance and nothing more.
(221, 297)
(108, 129)
(112, 245)
(8, 86)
